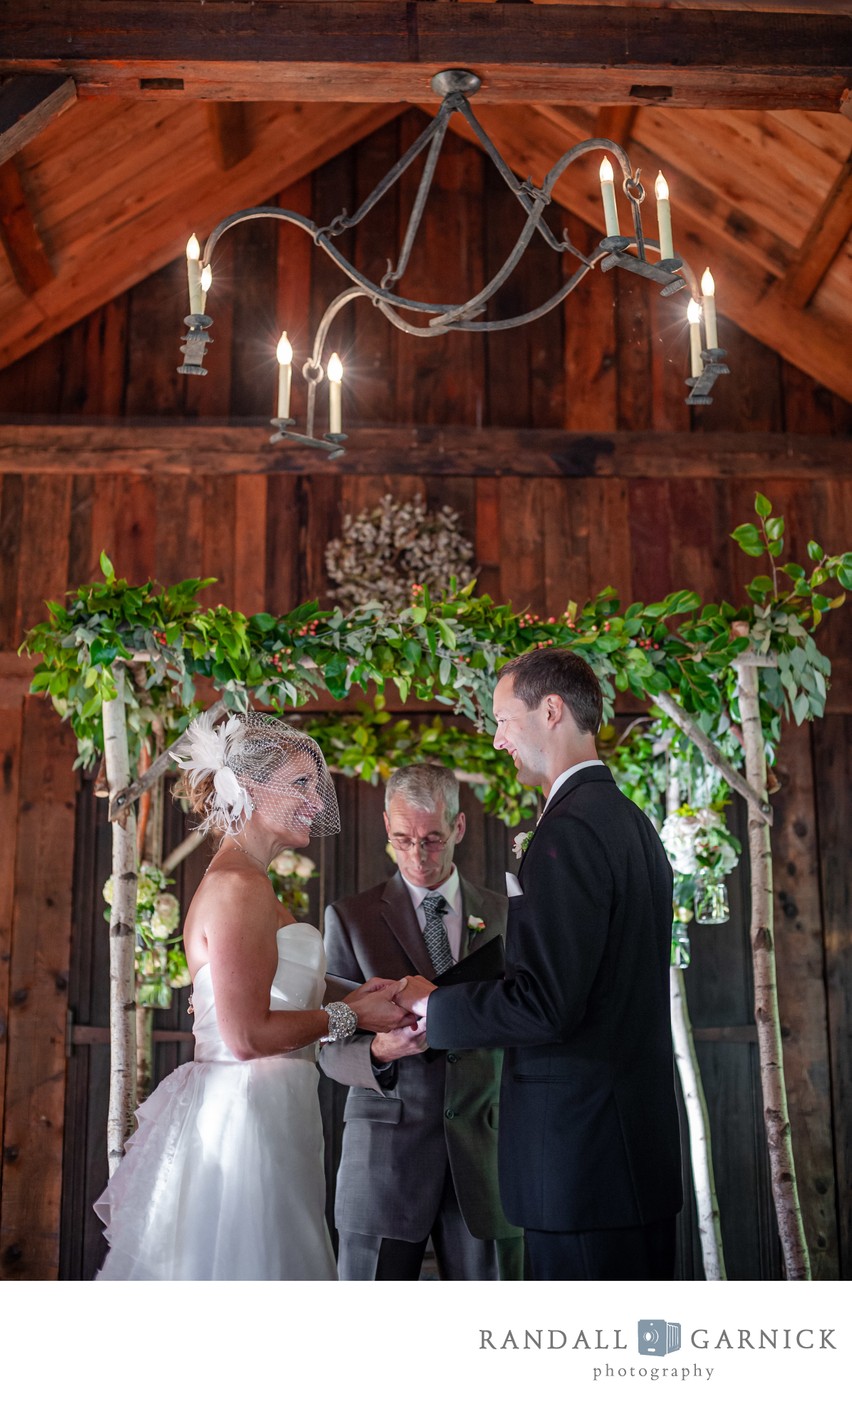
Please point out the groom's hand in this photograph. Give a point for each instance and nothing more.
(414, 994)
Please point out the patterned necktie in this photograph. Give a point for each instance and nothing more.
(435, 933)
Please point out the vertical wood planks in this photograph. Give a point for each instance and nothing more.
(651, 535)
(832, 767)
(38, 983)
(802, 997)
(377, 241)
(441, 380)
(249, 582)
(42, 558)
(487, 536)
(10, 759)
(11, 518)
(590, 368)
(522, 552)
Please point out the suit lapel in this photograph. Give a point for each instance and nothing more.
(401, 918)
(473, 904)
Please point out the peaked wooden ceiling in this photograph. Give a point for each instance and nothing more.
(124, 125)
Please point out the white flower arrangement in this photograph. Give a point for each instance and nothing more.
(475, 924)
(160, 961)
(699, 839)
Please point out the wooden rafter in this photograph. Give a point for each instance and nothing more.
(532, 143)
(109, 251)
(825, 237)
(229, 133)
(616, 123)
(346, 49)
(28, 102)
(19, 234)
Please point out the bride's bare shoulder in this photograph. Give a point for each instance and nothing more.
(231, 888)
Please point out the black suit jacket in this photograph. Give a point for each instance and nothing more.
(588, 1124)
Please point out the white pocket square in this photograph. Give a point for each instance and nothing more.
(513, 887)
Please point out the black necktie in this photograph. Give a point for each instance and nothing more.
(435, 933)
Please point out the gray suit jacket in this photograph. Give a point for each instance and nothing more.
(400, 1132)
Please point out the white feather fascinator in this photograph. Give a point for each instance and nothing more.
(205, 751)
(258, 762)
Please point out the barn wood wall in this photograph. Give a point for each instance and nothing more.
(610, 360)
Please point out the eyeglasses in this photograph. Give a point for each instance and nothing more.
(432, 844)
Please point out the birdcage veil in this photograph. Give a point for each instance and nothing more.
(256, 762)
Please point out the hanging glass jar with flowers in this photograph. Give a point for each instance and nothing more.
(702, 852)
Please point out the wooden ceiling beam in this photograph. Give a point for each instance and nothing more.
(19, 234)
(28, 102)
(189, 449)
(352, 50)
(822, 242)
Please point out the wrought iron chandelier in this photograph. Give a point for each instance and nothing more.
(628, 252)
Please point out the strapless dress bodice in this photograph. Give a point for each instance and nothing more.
(299, 984)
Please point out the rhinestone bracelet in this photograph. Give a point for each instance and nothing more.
(342, 1021)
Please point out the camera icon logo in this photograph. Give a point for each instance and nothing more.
(657, 1338)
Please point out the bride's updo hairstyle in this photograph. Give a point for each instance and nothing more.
(254, 761)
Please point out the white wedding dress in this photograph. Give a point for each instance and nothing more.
(224, 1178)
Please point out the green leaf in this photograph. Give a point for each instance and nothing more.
(102, 653)
(814, 551)
(106, 567)
(775, 527)
(446, 633)
(762, 506)
(748, 539)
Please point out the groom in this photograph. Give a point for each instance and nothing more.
(589, 1150)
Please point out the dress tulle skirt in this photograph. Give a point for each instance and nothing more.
(223, 1179)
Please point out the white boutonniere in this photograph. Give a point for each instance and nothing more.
(522, 842)
(475, 924)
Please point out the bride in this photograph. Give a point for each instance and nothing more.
(224, 1178)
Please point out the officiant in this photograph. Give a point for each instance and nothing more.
(419, 1155)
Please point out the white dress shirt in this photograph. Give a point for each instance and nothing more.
(451, 892)
(566, 775)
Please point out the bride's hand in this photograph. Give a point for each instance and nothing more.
(374, 1005)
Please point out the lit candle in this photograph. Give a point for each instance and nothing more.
(708, 289)
(608, 194)
(664, 217)
(284, 354)
(193, 274)
(206, 281)
(693, 313)
(335, 378)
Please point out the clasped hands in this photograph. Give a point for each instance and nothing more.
(411, 995)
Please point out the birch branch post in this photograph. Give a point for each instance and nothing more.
(695, 1103)
(785, 1190)
(122, 932)
(700, 1154)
